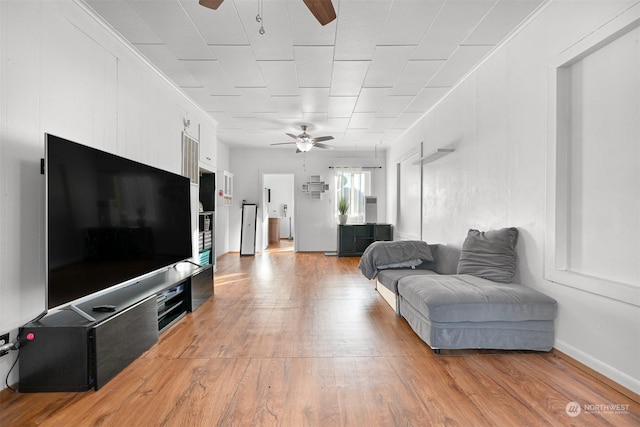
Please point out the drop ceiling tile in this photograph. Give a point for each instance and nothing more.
(234, 137)
(240, 65)
(361, 120)
(371, 99)
(262, 122)
(249, 124)
(408, 21)
(280, 76)
(315, 100)
(354, 135)
(314, 65)
(288, 106)
(415, 76)
(258, 100)
(393, 106)
(315, 120)
(122, 17)
(453, 24)
(337, 125)
(406, 120)
(270, 121)
(381, 124)
(341, 106)
(234, 105)
(225, 121)
(387, 65)
(427, 99)
(221, 26)
(203, 98)
(275, 43)
(166, 61)
(391, 135)
(501, 20)
(347, 77)
(358, 29)
(211, 75)
(305, 29)
(460, 63)
(372, 138)
(174, 27)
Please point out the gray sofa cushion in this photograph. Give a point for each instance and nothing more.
(445, 259)
(490, 254)
(466, 298)
(390, 278)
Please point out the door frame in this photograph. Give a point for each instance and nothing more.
(265, 209)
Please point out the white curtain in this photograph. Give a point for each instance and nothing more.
(354, 184)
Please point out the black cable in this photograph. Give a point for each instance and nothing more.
(6, 380)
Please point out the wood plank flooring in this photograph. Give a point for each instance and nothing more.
(305, 340)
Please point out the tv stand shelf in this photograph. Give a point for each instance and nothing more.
(71, 353)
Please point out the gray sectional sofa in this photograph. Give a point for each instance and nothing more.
(450, 310)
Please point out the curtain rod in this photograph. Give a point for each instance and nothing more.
(356, 167)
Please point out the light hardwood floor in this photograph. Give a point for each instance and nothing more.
(304, 339)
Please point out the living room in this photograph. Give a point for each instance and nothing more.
(64, 73)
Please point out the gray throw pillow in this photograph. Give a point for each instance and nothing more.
(490, 254)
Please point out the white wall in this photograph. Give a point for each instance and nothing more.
(316, 225)
(497, 120)
(62, 72)
(222, 211)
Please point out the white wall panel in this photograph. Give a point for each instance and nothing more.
(68, 75)
(496, 119)
(604, 147)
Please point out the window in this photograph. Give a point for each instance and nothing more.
(353, 184)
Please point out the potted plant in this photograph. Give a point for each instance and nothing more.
(343, 207)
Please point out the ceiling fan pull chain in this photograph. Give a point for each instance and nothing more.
(259, 18)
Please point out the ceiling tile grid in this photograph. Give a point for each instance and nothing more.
(364, 78)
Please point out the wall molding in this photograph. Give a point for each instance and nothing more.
(556, 267)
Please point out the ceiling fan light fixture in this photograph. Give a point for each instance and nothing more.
(304, 145)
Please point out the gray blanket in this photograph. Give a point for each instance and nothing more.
(399, 254)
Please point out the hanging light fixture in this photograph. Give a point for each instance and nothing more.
(304, 144)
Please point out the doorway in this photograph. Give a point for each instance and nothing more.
(278, 220)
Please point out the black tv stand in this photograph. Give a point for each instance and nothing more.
(80, 312)
(72, 353)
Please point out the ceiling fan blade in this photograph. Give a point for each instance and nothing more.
(292, 135)
(325, 146)
(322, 138)
(283, 143)
(322, 9)
(211, 4)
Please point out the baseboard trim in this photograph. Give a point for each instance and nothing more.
(597, 375)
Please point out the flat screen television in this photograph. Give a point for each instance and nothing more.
(109, 220)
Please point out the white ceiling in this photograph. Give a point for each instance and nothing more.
(364, 78)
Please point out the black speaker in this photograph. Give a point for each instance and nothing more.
(56, 359)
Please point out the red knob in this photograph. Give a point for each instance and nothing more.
(31, 336)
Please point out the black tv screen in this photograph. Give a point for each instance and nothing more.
(109, 220)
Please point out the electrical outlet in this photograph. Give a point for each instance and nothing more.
(4, 339)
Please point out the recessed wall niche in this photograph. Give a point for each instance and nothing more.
(593, 163)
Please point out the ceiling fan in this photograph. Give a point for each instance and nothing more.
(304, 142)
(322, 9)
